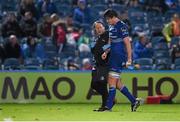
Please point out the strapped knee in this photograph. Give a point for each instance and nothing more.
(114, 74)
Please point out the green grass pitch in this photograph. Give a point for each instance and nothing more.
(63, 112)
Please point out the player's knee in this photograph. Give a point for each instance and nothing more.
(114, 75)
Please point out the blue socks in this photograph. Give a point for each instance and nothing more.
(112, 93)
(126, 93)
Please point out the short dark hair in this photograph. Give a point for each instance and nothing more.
(110, 13)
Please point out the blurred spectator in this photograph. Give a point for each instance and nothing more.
(44, 29)
(70, 39)
(71, 64)
(33, 49)
(8, 5)
(11, 26)
(69, 21)
(84, 48)
(172, 28)
(86, 64)
(46, 6)
(72, 36)
(118, 1)
(133, 3)
(82, 13)
(12, 48)
(142, 49)
(158, 5)
(73, 28)
(83, 43)
(136, 30)
(171, 3)
(175, 52)
(29, 25)
(74, 3)
(28, 6)
(58, 31)
(76, 33)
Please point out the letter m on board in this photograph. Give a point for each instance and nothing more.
(8, 84)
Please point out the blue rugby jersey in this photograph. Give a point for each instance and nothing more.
(118, 54)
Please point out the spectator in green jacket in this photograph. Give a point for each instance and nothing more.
(172, 28)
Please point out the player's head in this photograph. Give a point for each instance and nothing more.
(98, 27)
(111, 16)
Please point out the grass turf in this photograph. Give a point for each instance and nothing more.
(30, 112)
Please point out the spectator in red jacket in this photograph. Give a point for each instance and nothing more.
(58, 31)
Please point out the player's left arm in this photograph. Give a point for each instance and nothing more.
(126, 40)
(128, 50)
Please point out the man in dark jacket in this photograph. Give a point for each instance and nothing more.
(10, 26)
(100, 69)
(12, 48)
(29, 25)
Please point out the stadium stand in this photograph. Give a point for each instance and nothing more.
(145, 17)
(175, 40)
(162, 64)
(177, 64)
(32, 64)
(144, 63)
(161, 46)
(11, 64)
(50, 64)
(161, 54)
